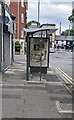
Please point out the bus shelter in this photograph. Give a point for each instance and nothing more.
(38, 44)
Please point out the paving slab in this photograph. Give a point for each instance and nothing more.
(33, 103)
(34, 98)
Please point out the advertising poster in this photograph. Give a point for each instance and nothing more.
(38, 51)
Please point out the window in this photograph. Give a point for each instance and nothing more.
(22, 3)
(22, 34)
(22, 17)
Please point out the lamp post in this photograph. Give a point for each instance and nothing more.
(38, 11)
(69, 30)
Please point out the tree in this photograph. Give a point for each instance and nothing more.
(71, 17)
(66, 32)
(63, 33)
(17, 46)
(33, 21)
(72, 32)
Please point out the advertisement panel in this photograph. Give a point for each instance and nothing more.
(38, 51)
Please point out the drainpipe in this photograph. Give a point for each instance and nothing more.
(18, 19)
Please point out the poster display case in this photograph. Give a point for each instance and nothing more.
(38, 52)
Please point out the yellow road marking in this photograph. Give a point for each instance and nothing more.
(65, 73)
(66, 76)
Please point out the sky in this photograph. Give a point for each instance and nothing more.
(51, 12)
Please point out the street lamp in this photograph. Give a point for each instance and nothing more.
(38, 11)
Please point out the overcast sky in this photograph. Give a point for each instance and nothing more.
(51, 11)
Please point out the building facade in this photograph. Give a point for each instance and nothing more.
(6, 36)
(19, 10)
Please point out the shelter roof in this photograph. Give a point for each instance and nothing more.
(52, 30)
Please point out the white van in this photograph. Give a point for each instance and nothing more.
(52, 50)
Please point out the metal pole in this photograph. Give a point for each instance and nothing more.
(38, 11)
(27, 75)
(2, 11)
(41, 57)
(48, 39)
(69, 31)
(60, 29)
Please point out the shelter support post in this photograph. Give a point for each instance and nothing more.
(27, 69)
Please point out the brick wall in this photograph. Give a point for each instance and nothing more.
(17, 11)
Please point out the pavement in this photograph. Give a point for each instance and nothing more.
(47, 98)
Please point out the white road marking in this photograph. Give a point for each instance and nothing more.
(9, 72)
(54, 83)
(50, 72)
(14, 85)
(13, 70)
(35, 85)
(60, 110)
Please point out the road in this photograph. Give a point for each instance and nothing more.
(62, 60)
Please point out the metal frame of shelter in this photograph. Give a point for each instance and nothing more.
(30, 33)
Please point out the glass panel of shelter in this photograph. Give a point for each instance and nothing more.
(39, 49)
